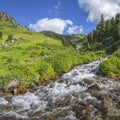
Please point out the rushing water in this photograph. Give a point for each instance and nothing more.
(46, 99)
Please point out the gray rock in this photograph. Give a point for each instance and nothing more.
(87, 81)
(13, 84)
(94, 87)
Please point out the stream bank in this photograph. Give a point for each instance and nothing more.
(80, 94)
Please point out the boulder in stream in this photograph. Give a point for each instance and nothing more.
(88, 81)
(94, 87)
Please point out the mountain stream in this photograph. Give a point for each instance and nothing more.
(80, 94)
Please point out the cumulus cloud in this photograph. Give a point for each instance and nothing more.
(75, 29)
(109, 8)
(56, 25)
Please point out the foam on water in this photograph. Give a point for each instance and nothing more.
(3, 101)
(28, 100)
(12, 113)
(83, 71)
(58, 90)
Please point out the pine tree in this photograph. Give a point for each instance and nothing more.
(117, 26)
(101, 30)
(108, 28)
(90, 37)
(107, 34)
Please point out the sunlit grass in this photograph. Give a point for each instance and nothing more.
(34, 56)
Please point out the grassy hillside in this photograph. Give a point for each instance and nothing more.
(34, 57)
(75, 39)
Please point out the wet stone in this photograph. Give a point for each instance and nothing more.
(82, 112)
(101, 96)
(36, 113)
(88, 81)
(10, 118)
(6, 96)
(113, 117)
(57, 115)
(118, 105)
(8, 108)
(84, 95)
(94, 87)
(64, 102)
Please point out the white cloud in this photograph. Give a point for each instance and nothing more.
(56, 25)
(109, 8)
(75, 29)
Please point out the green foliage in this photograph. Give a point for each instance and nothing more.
(111, 66)
(10, 37)
(1, 34)
(117, 53)
(106, 36)
(60, 62)
(45, 70)
(34, 57)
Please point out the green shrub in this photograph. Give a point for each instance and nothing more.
(45, 70)
(60, 63)
(10, 37)
(117, 53)
(111, 66)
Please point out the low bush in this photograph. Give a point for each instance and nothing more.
(45, 70)
(60, 63)
(111, 66)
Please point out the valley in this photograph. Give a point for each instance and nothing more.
(50, 76)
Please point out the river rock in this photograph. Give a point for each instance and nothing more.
(6, 95)
(114, 117)
(33, 85)
(82, 112)
(102, 96)
(84, 95)
(63, 103)
(36, 113)
(94, 87)
(13, 86)
(87, 81)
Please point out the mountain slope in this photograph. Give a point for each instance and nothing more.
(23, 51)
(34, 57)
(75, 39)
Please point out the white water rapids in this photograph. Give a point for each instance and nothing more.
(22, 106)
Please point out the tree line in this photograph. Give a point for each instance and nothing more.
(106, 31)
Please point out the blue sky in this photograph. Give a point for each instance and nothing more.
(61, 16)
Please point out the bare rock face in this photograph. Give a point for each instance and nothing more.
(7, 18)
